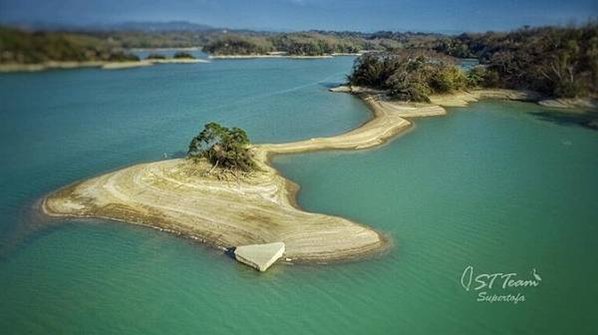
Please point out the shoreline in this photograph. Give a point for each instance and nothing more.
(196, 48)
(177, 196)
(462, 99)
(53, 65)
(257, 56)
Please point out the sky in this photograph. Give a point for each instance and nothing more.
(288, 15)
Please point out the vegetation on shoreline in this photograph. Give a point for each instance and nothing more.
(155, 56)
(558, 62)
(409, 75)
(38, 47)
(153, 40)
(227, 148)
(183, 55)
(312, 43)
(239, 45)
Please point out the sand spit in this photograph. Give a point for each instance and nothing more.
(17, 67)
(126, 65)
(386, 123)
(195, 48)
(178, 196)
(181, 197)
(179, 61)
(267, 56)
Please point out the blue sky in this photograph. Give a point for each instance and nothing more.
(363, 15)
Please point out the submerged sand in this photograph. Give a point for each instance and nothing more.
(181, 197)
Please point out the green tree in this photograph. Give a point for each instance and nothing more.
(227, 148)
(410, 75)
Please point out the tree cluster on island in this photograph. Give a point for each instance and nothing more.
(155, 56)
(225, 148)
(298, 44)
(183, 55)
(177, 55)
(410, 75)
(557, 62)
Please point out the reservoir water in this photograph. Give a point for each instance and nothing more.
(501, 187)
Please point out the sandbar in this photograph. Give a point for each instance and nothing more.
(181, 197)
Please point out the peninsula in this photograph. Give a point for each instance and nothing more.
(259, 208)
(179, 197)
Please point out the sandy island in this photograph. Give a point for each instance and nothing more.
(179, 197)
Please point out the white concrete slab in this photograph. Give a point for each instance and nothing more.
(259, 256)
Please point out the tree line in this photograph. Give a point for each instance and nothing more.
(22, 47)
(409, 75)
(556, 61)
(311, 43)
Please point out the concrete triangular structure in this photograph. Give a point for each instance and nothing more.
(259, 256)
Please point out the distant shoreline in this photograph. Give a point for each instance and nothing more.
(52, 65)
(58, 65)
(197, 48)
(282, 55)
(267, 56)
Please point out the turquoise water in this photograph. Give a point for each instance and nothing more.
(502, 187)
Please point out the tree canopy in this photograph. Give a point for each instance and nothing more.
(223, 147)
(23, 47)
(408, 75)
(556, 61)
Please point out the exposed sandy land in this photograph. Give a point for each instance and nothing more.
(150, 62)
(196, 48)
(181, 197)
(178, 195)
(570, 103)
(126, 65)
(267, 56)
(14, 67)
(346, 53)
(178, 61)
(385, 124)
(462, 99)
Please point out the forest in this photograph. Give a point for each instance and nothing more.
(24, 47)
(555, 61)
(410, 75)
